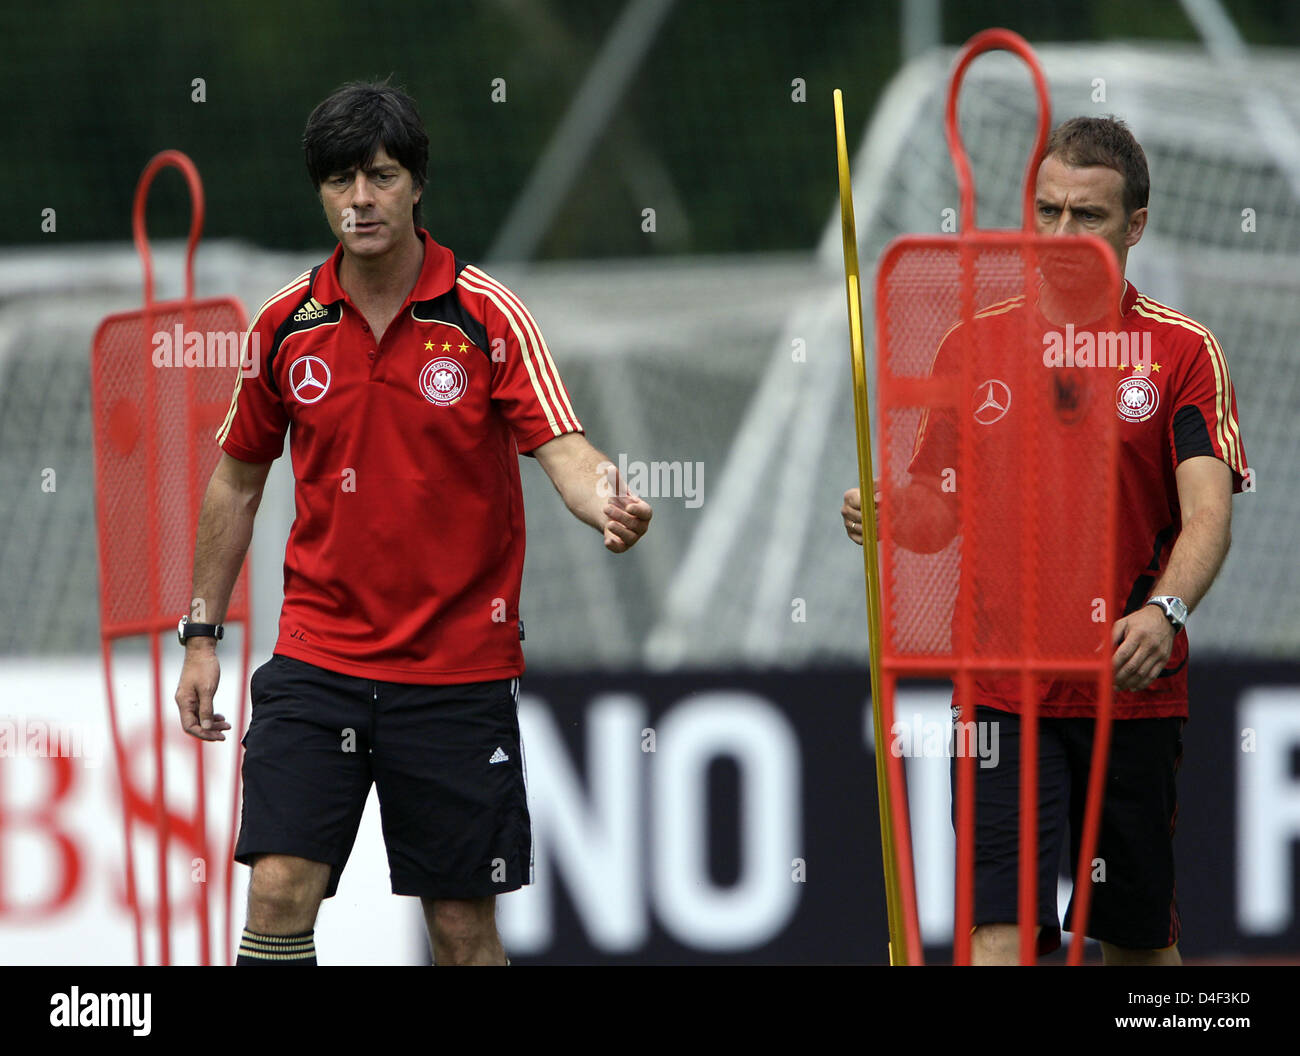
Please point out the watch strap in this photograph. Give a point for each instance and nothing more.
(188, 629)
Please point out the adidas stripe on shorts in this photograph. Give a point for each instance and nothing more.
(447, 762)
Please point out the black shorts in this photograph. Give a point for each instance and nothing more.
(447, 762)
(1133, 903)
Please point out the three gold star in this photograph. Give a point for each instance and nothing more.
(429, 346)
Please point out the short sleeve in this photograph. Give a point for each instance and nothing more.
(254, 427)
(1203, 420)
(935, 447)
(526, 385)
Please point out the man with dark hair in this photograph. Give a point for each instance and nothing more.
(334, 138)
(408, 382)
(1181, 458)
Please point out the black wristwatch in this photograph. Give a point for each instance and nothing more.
(187, 629)
(1175, 610)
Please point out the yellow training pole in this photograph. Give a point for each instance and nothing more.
(862, 415)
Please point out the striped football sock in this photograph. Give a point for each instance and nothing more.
(277, 949)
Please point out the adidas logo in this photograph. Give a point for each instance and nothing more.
(313, 309)
(499, 757)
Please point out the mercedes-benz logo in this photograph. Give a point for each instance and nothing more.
(993, 400)
(309, 378)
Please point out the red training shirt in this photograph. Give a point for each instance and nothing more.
(407, 549)
(1183, 406)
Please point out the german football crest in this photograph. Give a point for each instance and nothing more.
(1136, 399)
(443, 381)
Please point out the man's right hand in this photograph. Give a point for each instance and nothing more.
(851, 511)
(198, 685)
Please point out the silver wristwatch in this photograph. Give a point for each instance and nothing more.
(1175, 609)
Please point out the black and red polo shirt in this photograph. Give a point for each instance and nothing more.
(1180, 406)
(407, 550)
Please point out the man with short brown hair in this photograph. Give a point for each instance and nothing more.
(1181, 459)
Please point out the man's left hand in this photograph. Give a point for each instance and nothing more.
(1143, 641)
(627, 518)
